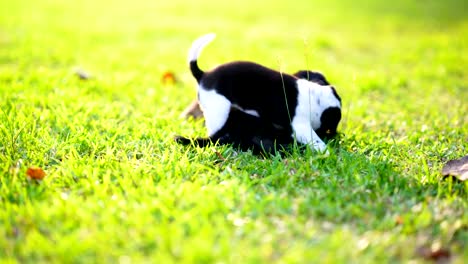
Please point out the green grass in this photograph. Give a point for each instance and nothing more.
(119, 190)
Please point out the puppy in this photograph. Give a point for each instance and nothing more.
(283, 103)
(248, 132)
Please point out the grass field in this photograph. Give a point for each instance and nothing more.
(118, 189)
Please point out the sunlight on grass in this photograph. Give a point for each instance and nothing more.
(118, 189)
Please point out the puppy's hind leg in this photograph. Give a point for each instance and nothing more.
(215, 108)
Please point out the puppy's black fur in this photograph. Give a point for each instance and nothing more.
(312, 76)
(264, 87)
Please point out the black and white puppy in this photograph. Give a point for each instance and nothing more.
(283, 102)
(248, 132)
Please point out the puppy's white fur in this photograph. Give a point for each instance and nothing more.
(215, 108)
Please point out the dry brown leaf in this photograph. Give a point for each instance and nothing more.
(457, 168)
(82, 74)
(193, 110)
(439, 255)
(399, 220)
(35, 173)
(220, 156)
(168, 77)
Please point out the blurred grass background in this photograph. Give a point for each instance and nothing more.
(119, 190)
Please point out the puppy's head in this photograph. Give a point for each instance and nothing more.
(325, 105)
(331, 113)
(329, 103)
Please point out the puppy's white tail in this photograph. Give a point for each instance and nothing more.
(194, 53)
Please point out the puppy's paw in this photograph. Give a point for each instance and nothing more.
(326, 153)
(319, 146)
(182, 140)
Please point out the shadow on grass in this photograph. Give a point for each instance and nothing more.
(361, 190)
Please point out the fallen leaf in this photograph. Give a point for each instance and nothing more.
(193, 110)
(35, 173)
(457, 168)
(220, 156)
(83, 75)
(168, 78)
(399, 220)
(439, 255)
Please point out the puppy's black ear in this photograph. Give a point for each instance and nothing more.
(313, 76)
